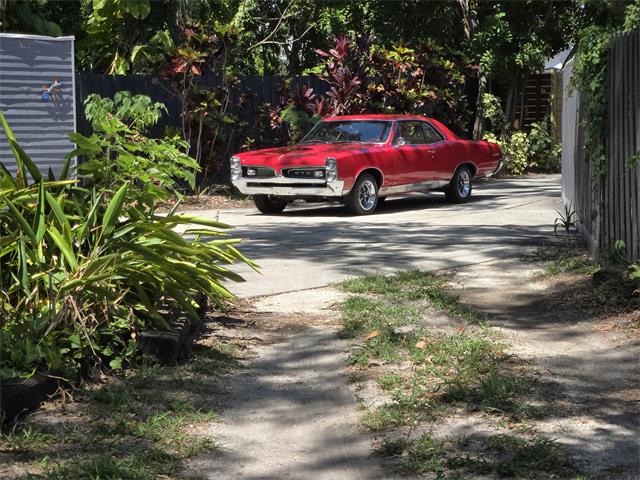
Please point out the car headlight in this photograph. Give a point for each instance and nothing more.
(331, 169)
(236, 169)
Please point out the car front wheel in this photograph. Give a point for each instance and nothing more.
(363, 198)
(459, 190)
(268, 204)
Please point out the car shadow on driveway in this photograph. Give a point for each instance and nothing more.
(393, 205)
(487, 195)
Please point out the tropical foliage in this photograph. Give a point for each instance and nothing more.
(84, 267)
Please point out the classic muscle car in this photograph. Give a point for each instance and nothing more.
(362, 159)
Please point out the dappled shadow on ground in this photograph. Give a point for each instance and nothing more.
(292, 415)
(487, 196)
(305, 245)
(598, 374)
(141, 425)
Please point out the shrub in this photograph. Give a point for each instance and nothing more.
(84, 270)
(533, 151)
(545, 153)
(119, 151)
(516, 150)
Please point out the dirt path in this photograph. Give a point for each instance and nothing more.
(596, 367)
(293, 414)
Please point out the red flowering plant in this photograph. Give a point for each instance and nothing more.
(196, 69)
(345, 70)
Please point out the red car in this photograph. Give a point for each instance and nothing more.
(362, 159)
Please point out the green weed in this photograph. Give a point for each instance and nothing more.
(427, 455)
(390, 381)
(469, 370)
(138, 426)
(25, 439)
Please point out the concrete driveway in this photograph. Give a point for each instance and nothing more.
(310, 246)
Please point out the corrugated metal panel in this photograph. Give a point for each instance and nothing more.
(27, 63)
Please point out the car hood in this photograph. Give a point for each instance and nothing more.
(302, 154)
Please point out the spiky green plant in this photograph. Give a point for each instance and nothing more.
(83, 271)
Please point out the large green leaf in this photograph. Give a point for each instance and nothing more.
(193, 220)
(23, 161)
(139, 9)
(59, 215)
(38, 221)
(6, 179)
(114, 208)
(89, 220)
(65, 248)
(85, 145)
(24, 225)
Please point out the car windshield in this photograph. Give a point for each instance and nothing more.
(337, 131)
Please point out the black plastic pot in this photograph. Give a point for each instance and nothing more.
(23, 395)
(172, 346)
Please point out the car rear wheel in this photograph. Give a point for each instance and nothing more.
(459, 190)
(363, 198)
(268, 204)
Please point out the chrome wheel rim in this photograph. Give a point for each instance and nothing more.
(367, 195)
(464, 183)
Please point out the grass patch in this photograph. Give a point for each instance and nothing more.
(427, 455)
(24, 440)
(565, 259)
(142, 425)
(390, 381)
(507, 456)
(467, 371)
(467, 367)
(414, 285)
(517, 457)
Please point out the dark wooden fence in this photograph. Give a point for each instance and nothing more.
(257, 90)
(608, 207)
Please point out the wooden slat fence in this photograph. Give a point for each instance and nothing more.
(621, 202)
(608, 207)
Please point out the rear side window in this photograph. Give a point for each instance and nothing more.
(431, 134)
(412, 133)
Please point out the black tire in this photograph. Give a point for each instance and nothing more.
(363, 197)
(459, 190)
(268, 204)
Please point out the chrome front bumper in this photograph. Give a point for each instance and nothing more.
(290, 187)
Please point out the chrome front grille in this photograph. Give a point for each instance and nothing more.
(315, 173)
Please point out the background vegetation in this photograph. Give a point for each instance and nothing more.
(437, 58)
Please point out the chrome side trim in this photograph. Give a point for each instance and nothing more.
(413, 187)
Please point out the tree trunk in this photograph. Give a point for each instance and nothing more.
(512, 100)
(478, 123)
(470, 24)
